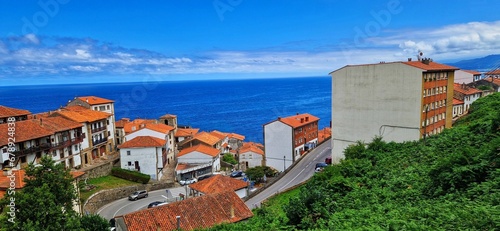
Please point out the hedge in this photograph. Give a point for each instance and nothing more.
(130, 175)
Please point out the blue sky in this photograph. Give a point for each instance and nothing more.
(69, 41)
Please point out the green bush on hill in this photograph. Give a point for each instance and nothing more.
(449, 182)
(130, 175)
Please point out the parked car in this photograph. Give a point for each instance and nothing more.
(237, 174)
(138, 195)
(319, 166)
(328, 160)
(156, 204)
(204, 177)
(187, 181)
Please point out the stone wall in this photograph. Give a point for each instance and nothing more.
(99, 170)
(99, 199)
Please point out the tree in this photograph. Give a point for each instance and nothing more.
(257, 173)
(229, 158)
(46, 201)
(94, 222)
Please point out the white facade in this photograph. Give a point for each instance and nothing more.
(469, 99)
(278, 145)
(375, 100)
(199, 158)
(169, 138)
(149, 159)
(458, 109)
(251, 159)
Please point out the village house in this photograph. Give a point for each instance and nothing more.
(286, 139)
(145, 154)
(18, 114)
(98, 131)
(251, 155)
(458, 107)
(398, 101)
(487, 85)
(160, 131)
(205, 138)
(196, 161)
(220, 183)
(466, 94)
(194, 213)
(467, 76)
(185, 134)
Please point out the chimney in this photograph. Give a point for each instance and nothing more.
(232, 212)
(40, 121)
(409, 59)
(301, 120)
(297, 113)
(307, 118)
(87, 100)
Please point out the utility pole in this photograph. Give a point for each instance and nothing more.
(284, 163)
(425, 122)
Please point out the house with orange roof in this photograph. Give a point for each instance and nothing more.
(251, 155)
(182, 134)
(491, 83)
(145, 154)
(18, 114)
(160, 131)
(13, 180)
(169, 119)
(98, 130)
(286, 139)
(466, 94)
(197, 160)
(192, 214)
(493, 74)
(467, 76)
(324, 134)
(399, 101)
(458, 107)
(218, 184)
(209, 139)
(120, 130)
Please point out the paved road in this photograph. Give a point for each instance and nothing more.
(124, 206)
(300, 173)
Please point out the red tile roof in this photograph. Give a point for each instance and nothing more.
(457, 101)
(299, 120)
(161, 128)
(168, 116)
(324, 133)
(185, 132)
(25, 130)
(218, 134)
(207, 138)
(217, 184)
(493, 80)
(472, 72)
(252, 147)
(465, 89)
(494, 72)
(8, 112)
(136, 124)
(94, 100)
(143, 141)
(432, 66)
(200, 148)
(121, 123)
(236, 136)
(195, 213)
(182, 166)
(58, 123)
(81, 114)
(259, 145)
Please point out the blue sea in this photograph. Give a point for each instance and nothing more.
(240, 106)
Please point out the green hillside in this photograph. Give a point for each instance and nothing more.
(450, 182)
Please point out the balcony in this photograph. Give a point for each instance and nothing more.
(100, 141)
(34, 149)
(94, 130)
(68, 143)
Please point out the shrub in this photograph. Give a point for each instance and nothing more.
(130, 175)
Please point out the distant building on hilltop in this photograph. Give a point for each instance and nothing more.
(466, 94)
(399, 101)
(467, 76)
(286, 139)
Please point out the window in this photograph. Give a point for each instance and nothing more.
(102, 108)
(423, 93)
(95, 108)
(129, 163)
(128, 153)
(444, 89)
(107, 121)
(109, 133)
(76, 147)
(107, 107)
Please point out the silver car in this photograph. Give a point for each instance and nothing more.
(138, 195)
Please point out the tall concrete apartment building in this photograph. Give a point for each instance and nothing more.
(399, 101)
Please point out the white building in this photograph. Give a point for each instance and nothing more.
(160, 131)
(467, 76)
(398, 101)
(466, 94)
(458, 107)
(287, 139)
(196, 161)
(144, 154)
(251, 155)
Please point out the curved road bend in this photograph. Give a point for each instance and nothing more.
(124, 206)
(300, 173)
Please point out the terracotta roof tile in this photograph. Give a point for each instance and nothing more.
(472, 72)
(168, 116)
(94, 100)
(76, 174)
(81, 114)
(218, 134)
(137, 124)
(58, 123)
(432, 66)
(195, 213)
(8, 111)
(200, 148)
(247, 144)
(299, 120)
(465, 89)
(25, 130)
(182, 166)
(252, 147)
(185, 132)
(121, 123)
(207, 138)
(217, 184)
(236, 136)
(143, 141)
(457, 101)
(493, 80)
(18, 178)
